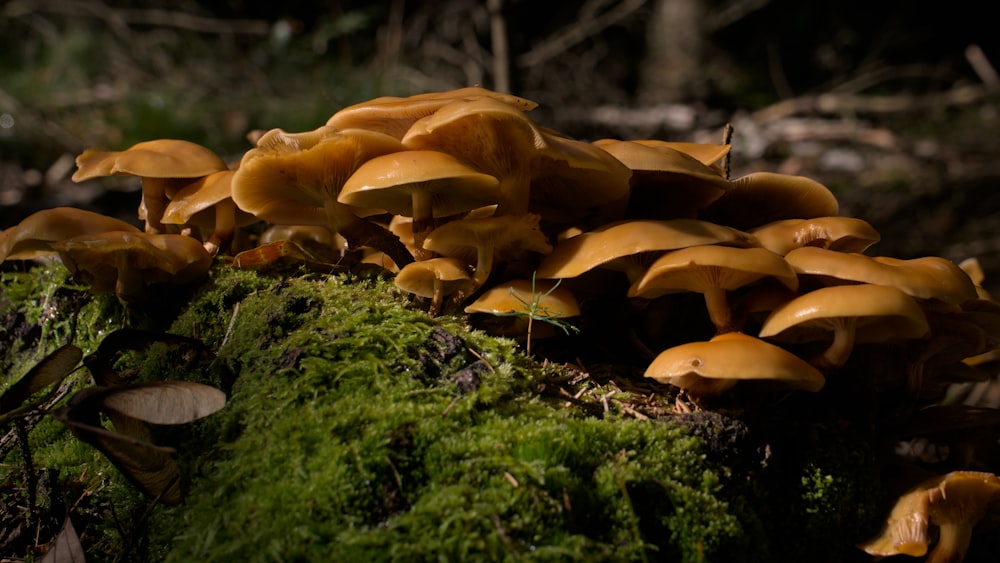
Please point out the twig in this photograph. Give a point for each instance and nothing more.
(498, 39)
(984, 69)
(851, 103)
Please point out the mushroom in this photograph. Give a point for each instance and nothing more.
(394, 116)
(317, 240)
(850, 313)
(843, 234)
(710, 368)
(706, 153)
(630, 245)
(420, 184)
(34, 235)
(435, 278)
(974, 269)
(164, 166)
(762, 197)
(207, 203)
(295, 180)
(926, 278)
(666, 183)
(954, 502)
(485, 238)
(514, 305)
(575, 182)
(712, 270)
(496, 138)
(126, 262)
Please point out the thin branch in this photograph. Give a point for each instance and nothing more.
(498, 38)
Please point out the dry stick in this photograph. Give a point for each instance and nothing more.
(850, 103)
(981, 64)
(498, 39)
(727, 139)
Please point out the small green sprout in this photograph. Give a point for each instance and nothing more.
(534, 310)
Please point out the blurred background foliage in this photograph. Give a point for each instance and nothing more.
(885, 96)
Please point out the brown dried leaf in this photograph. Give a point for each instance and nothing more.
(51, 369)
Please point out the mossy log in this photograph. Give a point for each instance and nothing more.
(358, 428)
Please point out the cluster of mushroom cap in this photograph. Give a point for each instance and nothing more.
(473, 205)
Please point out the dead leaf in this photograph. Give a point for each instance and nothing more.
(51, 369)
(66, 547)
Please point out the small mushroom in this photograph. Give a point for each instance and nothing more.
(512, 306)
(126, 262)
(494, 137)
(954, 502)
(480, 240)
(34, 235)
(420, 184)
(435, 278)
(666, 183)
(394, 115)
(762, 197)
(712, 270)
(926, 278)
(843, 234)
(207, 203)
(164, 165)
(631, 245)
(317, 240)
(708, 369)
(295, 180)
(846, 314)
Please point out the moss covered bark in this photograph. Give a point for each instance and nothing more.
(359, 428)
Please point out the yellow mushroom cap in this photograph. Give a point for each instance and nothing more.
(479, 240)
(843, 234)
(666, 182)
(728, 358)
(608, 245)
(399, 182)
(878, 313)
(34, 235)
(160, 158)
(762, 197)
(394, 115)
(125, 262)
(433, 277)
(514, 296)
(929, 277)
(700, 268)
(954, 502)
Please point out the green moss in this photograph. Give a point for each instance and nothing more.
(358, 428)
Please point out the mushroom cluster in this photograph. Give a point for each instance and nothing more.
(709, 280)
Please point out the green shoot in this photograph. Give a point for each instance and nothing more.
(534, 310)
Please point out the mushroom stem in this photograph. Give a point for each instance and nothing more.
(423, 217)
(437, 298)
(359, 232)
(953, 542)
(484, 265)
(840, 349)
(154, 199)
(129, 286)
(225, 225)
(719, 310)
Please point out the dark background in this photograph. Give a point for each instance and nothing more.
(892, 106)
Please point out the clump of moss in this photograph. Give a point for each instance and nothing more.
(359, 428)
